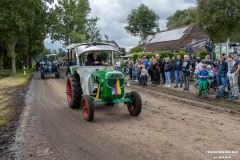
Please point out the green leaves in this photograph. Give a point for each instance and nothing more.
(69, 22)
(141, 22)
(219, 18)
(182, 17)
(22, 21)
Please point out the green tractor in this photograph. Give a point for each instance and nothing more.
(97, 82)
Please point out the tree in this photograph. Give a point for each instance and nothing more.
(69, 22)
(219, 18)
(142, 22)
(61, 52)
(136, 49)
(14, 23)
(182, 18)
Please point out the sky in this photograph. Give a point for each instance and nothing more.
(113, 14)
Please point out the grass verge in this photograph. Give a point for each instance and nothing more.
(11, 93)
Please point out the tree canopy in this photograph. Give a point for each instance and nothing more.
(219, 18)
(18, 22)
(182, 17)
(69, 22)
(142, 22)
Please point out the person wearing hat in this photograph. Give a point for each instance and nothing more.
(186, 68)
(168, 70)
(222, 69)
(233, 78)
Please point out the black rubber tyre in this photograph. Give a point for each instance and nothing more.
(135, 108)
(57, 75)
(74, 91)
(87, 108)
(42, 75)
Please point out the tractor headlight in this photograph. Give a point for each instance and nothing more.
(95, 85)
(128, 84)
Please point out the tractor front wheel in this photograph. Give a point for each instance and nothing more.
(135, 107)
(74, 91)
(57, 75)
(87, 108)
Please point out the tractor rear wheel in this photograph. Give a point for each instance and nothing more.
(74, 91)
(135, 107)
(87, 108)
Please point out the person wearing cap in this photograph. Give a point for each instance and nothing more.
(233, 78)
(186, 68)
(222, 69)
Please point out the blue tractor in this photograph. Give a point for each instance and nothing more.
(49, 65)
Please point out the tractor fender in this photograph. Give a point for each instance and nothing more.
(71, 70)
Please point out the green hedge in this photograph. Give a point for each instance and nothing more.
(165, 54)
(201, 53)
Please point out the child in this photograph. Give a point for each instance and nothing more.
(210, 75)
(203, 75)
(143, 76)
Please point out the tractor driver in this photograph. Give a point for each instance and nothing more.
(94, 59)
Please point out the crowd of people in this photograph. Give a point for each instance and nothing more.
(156, 70)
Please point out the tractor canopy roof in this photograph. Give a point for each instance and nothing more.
(51, 55)
(81, 48)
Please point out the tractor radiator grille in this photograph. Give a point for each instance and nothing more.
(111, 82)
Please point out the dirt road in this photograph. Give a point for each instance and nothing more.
(169, 128)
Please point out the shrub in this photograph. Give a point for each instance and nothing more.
(181, 53)
(201, 53)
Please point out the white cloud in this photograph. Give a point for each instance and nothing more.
(56, 45)
(113, 16)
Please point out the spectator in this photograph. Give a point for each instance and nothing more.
(145, 60)
(228, 74)
(198, 68)
(203, 83)
(224, 55)
(159, 61)
(198, 58)
(118, 65)
(233, 79)
(156, 72)
(186, 67)
(214, 68)
(150, 69)
(130, 66)
(210, 75)
(222, 69)
(135, 70)
(163, 71)
(143, 76)
(208, 61)
(168, 70)
(178, 71)
(140, 66)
